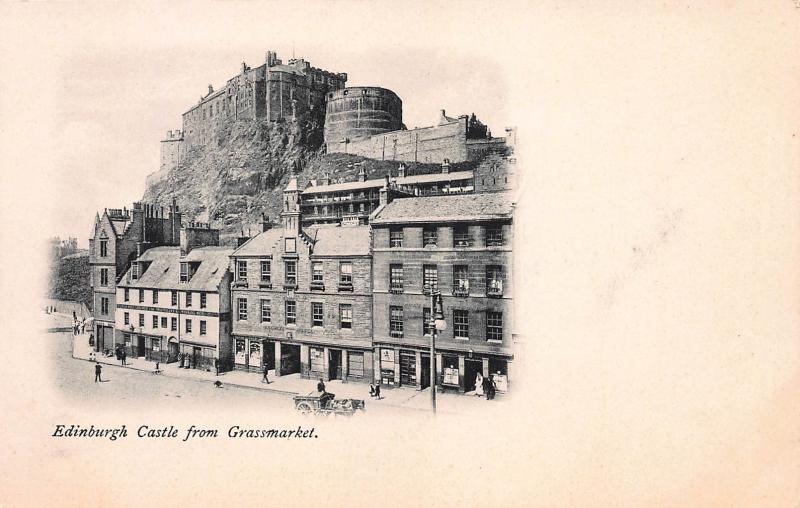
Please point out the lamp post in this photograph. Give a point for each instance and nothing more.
(437, 324)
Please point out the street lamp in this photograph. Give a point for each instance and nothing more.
(438, 324)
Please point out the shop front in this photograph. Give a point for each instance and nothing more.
(104, 338)
(198, 356)
(252, 354)
(462, 371)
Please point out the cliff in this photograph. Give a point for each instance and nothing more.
(232, 181)
(69, 278)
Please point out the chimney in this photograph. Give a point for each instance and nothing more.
(197, 235)
(210, 89)
(362, 173)
(383, 194)
(445, 166)
(326, 178)
(266, 225)
(401, 171)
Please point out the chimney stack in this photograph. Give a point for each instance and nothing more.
(266, 225)
(445, 166)
(362, 173)
(401, 171)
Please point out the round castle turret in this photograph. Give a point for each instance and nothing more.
(361, 111)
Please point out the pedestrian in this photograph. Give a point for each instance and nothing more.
(372, 389)
(487, 383)
(265, 379)
(83, 326)
(216, 366)
(479, 384)
(92, 356)
(492, 390)
(124, 356)
(97, 369)
(321, 386)
(378, 391)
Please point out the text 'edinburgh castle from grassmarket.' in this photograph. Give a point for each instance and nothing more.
(347, 285)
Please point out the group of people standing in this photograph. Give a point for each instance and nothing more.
(485, 386)
(78, 325)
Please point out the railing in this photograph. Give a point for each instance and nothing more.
(317, 286)
(346, 286)
(265, 285)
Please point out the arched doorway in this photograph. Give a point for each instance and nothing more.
(172, 350)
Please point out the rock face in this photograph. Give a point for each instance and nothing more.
(69, 278)
(242, 175)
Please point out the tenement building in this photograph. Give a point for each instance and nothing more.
(302, 299)
(118, 237)
(459, 245)
(175, 301)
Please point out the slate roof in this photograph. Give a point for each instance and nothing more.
(462, 207)
(164, 271)
(340, 241)
(345, 186)
(261, 244)
(435, 177)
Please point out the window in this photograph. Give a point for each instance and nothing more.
(241, 270)
(141, 296)
(396, 322)
(345, 315)
(188, 298)
(461, 236)
(103, 248)
(430, 279)
(494, 325)
(316, 314)
(460, 280)
(203, 300)
(429, 236)
(266, 311)
(184, 272)
(155, 296)
(290, 276)
(494, 280)
(242, 306)
(494, 235)
(155, 322)
(316, 273)
(173, 324)
(104, 306)
(126, 318)
(164, 322)
(396, 278)
(127, 294)
(427, 326)
(291, 312)
(141, 320)
(104, 276)
(188, 326)
(266, 272)
(174, 298)
(135, 271)
(202, 327)
(156, 345)
(396, 237)
(460, 324)
(346, 275)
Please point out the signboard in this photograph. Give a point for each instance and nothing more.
(450, 376)
(387, 355)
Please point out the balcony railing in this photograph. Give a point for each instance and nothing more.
(265, 285)
(346, 287)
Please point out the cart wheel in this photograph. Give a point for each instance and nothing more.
(304, 408)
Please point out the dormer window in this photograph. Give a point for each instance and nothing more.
(184, 272)
(135, 271)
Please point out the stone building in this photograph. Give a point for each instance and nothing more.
(459, 245)
(302, 299)
(175, 301)
(363, 111)
(272, 91)
(117, 238)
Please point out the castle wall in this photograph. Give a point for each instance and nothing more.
(358, 112)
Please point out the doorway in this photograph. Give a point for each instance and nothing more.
(268, 354)
(197, 352)
(471, 370)
(139, 346)
(334, 364)
(172, 350)
(290, 359)
(408, 369)
(425, 371)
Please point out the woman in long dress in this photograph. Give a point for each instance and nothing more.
(479, 385)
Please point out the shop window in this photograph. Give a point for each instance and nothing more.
(494, 235)
(450, 370)
(141, 320)
(429, 236)
(291, 312)
(494, 280)
(430, 279)
(156, 345)
(396, 322)
(127, 296)
(173, 324)
(317, 361)
(242, 307)
(266, 272)
(355, 364)
(396, 237)
(103, 248)
(290, 274)
(255, 354)
(126, 318)
(266, 311)
(241, 352)
(155, 296)
(174, 298)
(494, 326)
(164, 322)
(202, 327)
(346, 316)
(188, 298)
(316, 314)
(155, 322)
(395, 278)
(460, 280)
(460, 324)
(104, 276)
(188, 326)
(203, 300)
(461, 236)
(141, 296)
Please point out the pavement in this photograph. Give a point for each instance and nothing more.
(287, 385)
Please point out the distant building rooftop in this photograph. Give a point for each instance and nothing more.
(164, 271)
(462, 207)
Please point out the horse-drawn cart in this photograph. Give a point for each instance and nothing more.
(326, 404)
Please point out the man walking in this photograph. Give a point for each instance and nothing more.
(265, 379)
(124, 355)
(97, 369)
